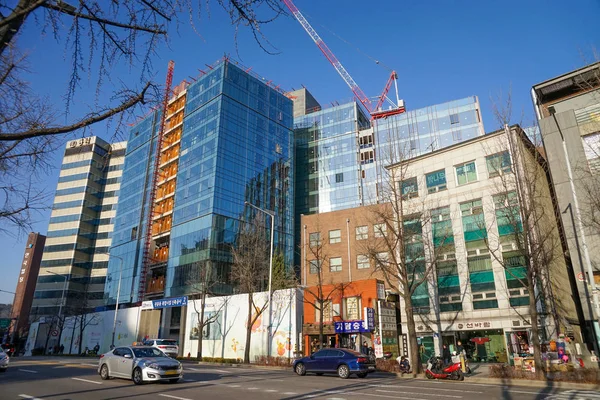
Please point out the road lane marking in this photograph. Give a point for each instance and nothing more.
(234, 386)
(173, 397)
(87, 380)
(91, 365)
(252, 388)
(424, 387)
(290, 393)
(28, 370)
(26, 396)
(271, 390)
(428, 394)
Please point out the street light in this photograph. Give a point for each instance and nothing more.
(272, 214)
(112, 343)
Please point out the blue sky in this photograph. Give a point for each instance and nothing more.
(442, 50)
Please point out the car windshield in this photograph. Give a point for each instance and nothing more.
(166, 342)
(148, 352)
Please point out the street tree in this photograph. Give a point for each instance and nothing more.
(98, 37)
(250, 270)
(203, 285)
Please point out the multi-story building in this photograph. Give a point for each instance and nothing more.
(28, 273)
(227, 140)
(462, 234)
(568, 112)
(75, 259)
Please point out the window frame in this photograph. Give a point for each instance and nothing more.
(312, 242)
(361, 260)
(379, 233)
(334, 240)
(464, 164)
(502, 169)
(362, 235)
(439, 187)
(314, 263)
(338, 267)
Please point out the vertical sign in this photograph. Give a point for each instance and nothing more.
(388, 326)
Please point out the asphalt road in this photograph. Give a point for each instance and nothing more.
(64, 379)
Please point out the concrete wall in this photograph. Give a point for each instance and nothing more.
(226, 336)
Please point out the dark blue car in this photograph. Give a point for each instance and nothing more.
(344, 362)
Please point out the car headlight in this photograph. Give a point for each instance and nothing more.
(152, 365)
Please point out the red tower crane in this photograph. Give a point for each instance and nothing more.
(146, 259)
(375, 112)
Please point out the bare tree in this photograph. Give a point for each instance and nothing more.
(250, 270)
(202, 286)
(97, 36)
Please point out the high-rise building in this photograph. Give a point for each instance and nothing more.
(568, 112)
(75, 259)
(341, 154)
(28, 273)
(227, 140)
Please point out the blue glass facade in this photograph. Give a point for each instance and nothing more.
(236, 146)
(404, 136)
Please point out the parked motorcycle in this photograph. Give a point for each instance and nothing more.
(436, 370)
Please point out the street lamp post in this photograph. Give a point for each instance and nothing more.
(272, 215)
(112, 343)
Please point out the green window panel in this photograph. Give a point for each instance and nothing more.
(485, 304)
(466, 173)
(498, 163)
(516, 277)
(446, 307)
(519, 301)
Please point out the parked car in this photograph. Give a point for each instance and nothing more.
(140, 364)
(4, 359)
(167, 346)
(344, 362)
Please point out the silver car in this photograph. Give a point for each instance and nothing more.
(167, 346)
(140, 364)
(3, 361)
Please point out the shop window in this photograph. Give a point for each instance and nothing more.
(362, 261)
(379, 230)
(335, 264)
(327, 311)
(362, 232)
(436, 181)
(335, 236)
(466, 173)
(352, 308)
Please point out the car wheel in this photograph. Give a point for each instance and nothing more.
(362, 375)
(138, 377)
(319, 374)
(300, 369)
(343, 371)
(175, 380)
(104, 372)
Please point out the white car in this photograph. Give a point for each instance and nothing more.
(140, 364)
(167, 346)
(4, 359)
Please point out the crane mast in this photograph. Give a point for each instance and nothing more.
(360, 95)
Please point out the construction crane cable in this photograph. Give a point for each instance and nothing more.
(376, 61)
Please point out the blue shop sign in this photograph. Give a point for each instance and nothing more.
(172, 302)
(357, 326)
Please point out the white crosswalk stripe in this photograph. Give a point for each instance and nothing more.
(575, 395)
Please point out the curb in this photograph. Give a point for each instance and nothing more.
(251, 366)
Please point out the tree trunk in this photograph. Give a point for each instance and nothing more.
(321, 335)
(415, 359)
(248, 330)
(81, 329)
(540, 368)
(201, 327)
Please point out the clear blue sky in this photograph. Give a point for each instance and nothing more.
(442, 50)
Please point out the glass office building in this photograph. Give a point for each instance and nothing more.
(75, 255)
(414, 133)
(228, 140)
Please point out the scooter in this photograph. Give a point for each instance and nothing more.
(435, 370)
